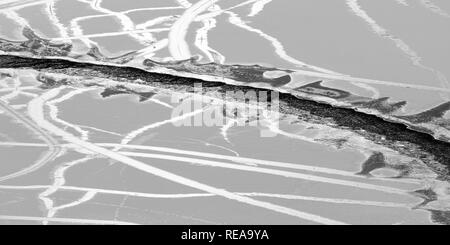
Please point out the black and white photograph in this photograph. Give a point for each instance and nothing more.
(203, 113)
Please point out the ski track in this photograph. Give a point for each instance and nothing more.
(434, 8)
(54, 111)
(400, 44)
(12, 15)
(127, 24)
(208, 144)
(52, 153)
(402, 2)
(275, 172)
(19, 4)
(59, 181)
(179, 50)
(235, 159)
(65, 220)
(78, 31)
(184, 3)
(216, 10)
(223, 148)
(88, 17)
(79, 34)
(133, 134)
(36, 111)
(159, 102)
(209, 22)
(50, 10)
(279, 49)
(225, 128)
(14, 91)
(197, 195)
(22, 144)
(178, 47)
(236, 20)
(245, 160)
(150, 50)
(138, 32)
(99, 130)
(155, 21)
(201, 41)
(257, 7)
(371, 81)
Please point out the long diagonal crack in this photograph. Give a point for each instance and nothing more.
(360, 122)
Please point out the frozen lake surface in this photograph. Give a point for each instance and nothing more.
(224, 112)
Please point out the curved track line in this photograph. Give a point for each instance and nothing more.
(369, 81)
(87, 17)
(197, 195)
(225, 128)
(52, 144)
(16, 18)
(201, 41)
(404, 47)
(150, 50)
(244, 160)
(66, 220)
(19, 4)
(251, 161)
(434, 8)
(178, 47)
(133, 134)
(54, 111)
(257, 7)
(269, 171)
(107, 34)
(58, 181)
(238, 159)
(51, 13)
(218, 11)
(78, 31)
(127, 24)
(279, 49)
(35, 108)
(402, 2)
